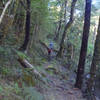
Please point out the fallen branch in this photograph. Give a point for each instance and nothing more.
(4, 10)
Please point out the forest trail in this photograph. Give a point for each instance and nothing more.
(60, 89)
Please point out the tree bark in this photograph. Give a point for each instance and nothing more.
(65, 11)
(19, 21)
(94, 35)
(61, 20)
(27, 28)
(59, 25)
(58, 30)
(84, 44)
(4, 10)
(7, 19)
(67, 26)
(95, 62)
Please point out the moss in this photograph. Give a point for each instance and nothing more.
(22, 55)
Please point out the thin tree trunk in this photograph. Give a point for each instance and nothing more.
(65, 11)
(67, 26)
(58, 31)
(7, 20)
(4, 10)
(95, 62)
(34, 39)
(1, 6)
(60, 22)
(19, 21)
(94, 35)
(72, 53)
(83, 52)
(59, 25)
(27, 28)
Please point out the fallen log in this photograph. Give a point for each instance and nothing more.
(25, 64)
(39, 76)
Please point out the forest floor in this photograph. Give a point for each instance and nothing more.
(60, 85)
(62, 88)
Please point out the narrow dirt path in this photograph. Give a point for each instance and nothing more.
(60, 89)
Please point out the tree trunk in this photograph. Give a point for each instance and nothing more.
(69, 55)
(1, 6)
(60, 22)
(84, 45)
(65, 11)
(33, 40)
(67, 26)
(95, 62)
(58, 31)
(59, 25)
(4, 10)
(94, 35)
(7, 19)
(27, 28)
(19, 21)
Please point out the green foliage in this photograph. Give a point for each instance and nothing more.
(39, 16)
(90, 48)
(2, 50)
(45, 14)
(5, 71)
(31, 93)
(7, 90)
(22, 55)
(16, 88)
(1, 89)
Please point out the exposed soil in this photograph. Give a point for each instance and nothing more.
(60, 89)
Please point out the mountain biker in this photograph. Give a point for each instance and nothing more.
(50, 48)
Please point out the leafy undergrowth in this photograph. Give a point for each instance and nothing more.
(17, 83)
(13, 91)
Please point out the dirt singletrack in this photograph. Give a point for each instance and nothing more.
(60, 89)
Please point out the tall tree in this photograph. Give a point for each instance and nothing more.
(84, 44)
(38, 24)
(27, 27)
(67, 26)
(19, 20)
(95, 62)
(65, 11)
(94, 35)
(58, 30)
